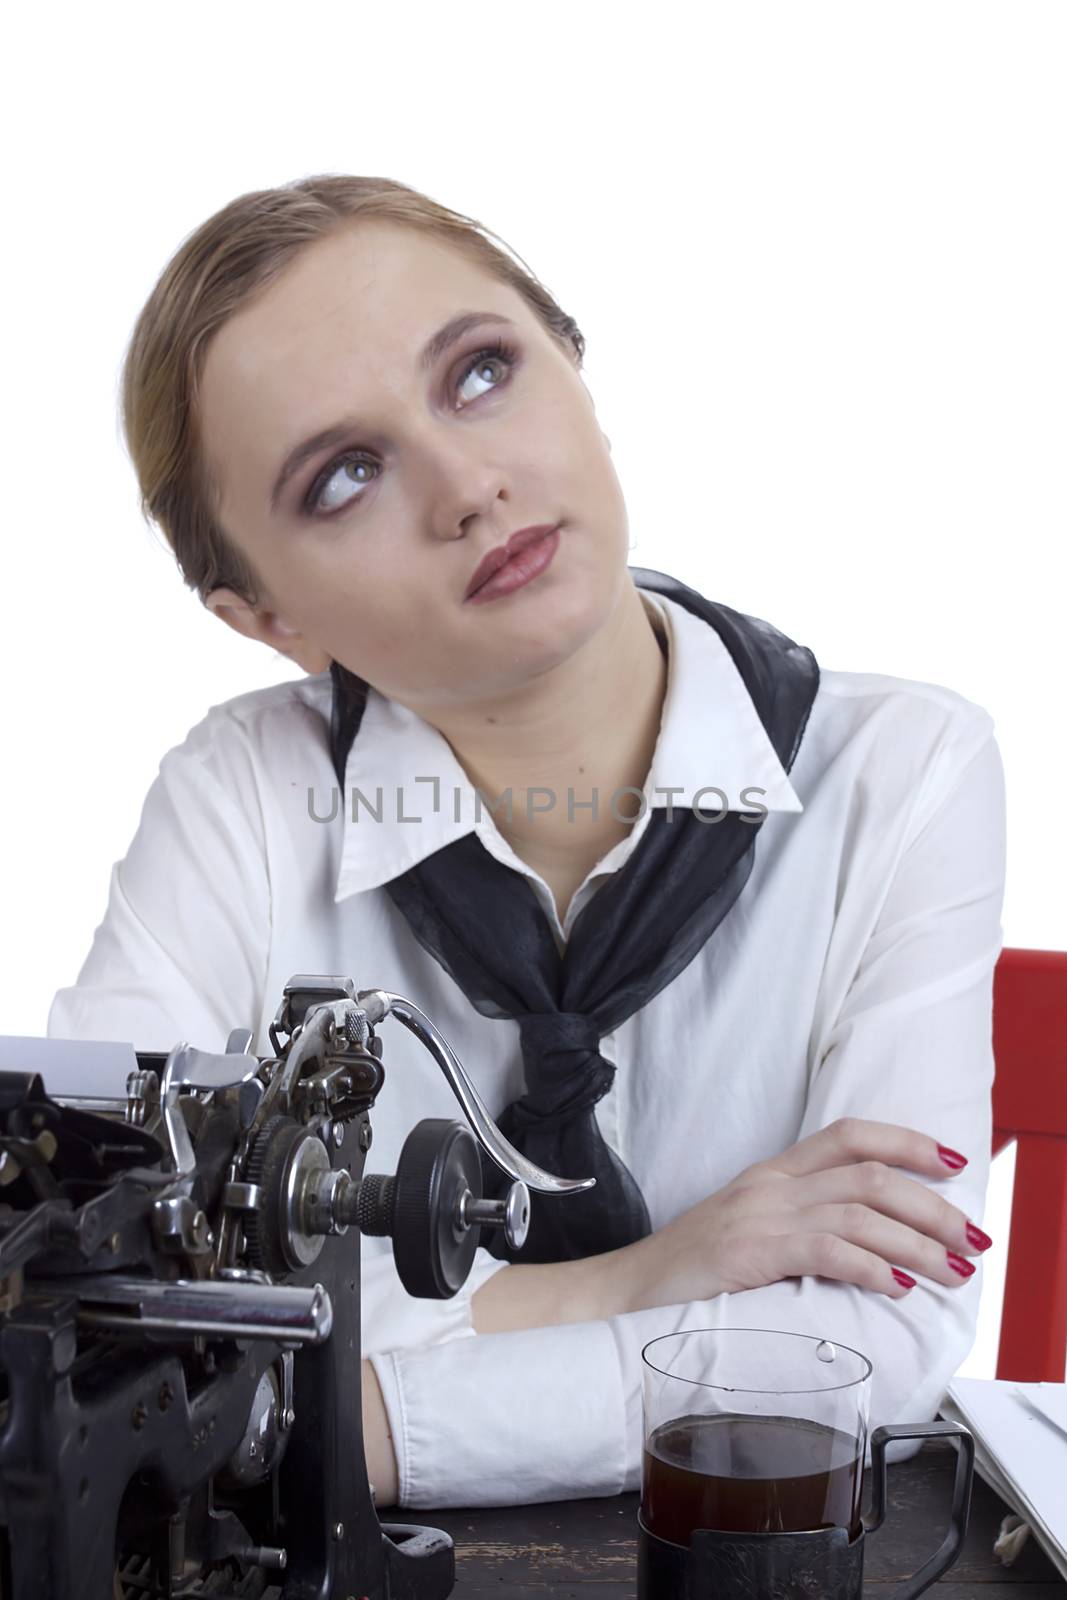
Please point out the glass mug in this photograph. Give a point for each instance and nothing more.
(752, 1476)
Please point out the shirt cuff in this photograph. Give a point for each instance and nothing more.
(515, 1418)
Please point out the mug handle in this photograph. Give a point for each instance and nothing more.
(943, 1558)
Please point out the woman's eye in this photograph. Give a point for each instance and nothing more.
(485, 358)
(329, 491)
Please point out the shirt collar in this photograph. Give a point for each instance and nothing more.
(410, 796)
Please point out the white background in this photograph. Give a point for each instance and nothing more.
(818, 254)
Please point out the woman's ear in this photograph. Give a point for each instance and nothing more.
(269, 628)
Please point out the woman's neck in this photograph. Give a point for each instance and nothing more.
(590, 728)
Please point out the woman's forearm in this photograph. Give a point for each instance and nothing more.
(542, 1295)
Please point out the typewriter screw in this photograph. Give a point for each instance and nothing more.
(365, 1136)
(140, 1414)
(338, 1531)
(338, 1131)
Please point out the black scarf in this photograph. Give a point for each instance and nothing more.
(483, 923)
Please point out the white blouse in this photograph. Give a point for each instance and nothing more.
(853, 977)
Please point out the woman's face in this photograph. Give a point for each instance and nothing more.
(374, 537)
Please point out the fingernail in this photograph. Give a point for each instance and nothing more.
(951, 1158)
(975, 1236)
(959, 1264)
(903, 1279)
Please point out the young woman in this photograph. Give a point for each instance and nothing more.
(701, 920)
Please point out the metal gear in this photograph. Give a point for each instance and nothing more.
(266, 1168)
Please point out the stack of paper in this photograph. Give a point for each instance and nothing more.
(1020, 1449)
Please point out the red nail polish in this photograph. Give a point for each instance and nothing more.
(975, 1236)
(903, 1279)
(951, 1158)
(959, 1264)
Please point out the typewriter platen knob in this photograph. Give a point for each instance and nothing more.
(438, 1164)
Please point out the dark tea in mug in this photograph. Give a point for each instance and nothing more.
(740, 1473)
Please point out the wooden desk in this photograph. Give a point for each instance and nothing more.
(589, 1546)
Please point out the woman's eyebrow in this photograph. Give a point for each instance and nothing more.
(435, 347)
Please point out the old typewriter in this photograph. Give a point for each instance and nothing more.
(180, 1396)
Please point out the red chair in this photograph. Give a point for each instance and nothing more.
(1030, 1106)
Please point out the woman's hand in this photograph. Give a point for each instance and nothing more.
(832, 1205)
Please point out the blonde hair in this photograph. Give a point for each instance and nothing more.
(213, 274)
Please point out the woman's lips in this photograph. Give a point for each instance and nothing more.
(519, 570)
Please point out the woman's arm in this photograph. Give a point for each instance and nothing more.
(181, 951)
(545, 1295)
(911, 1045)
